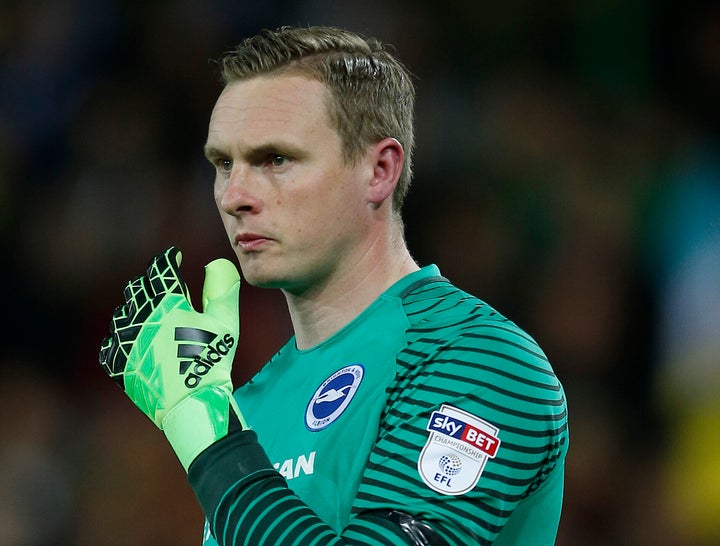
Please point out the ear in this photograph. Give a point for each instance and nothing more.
(387, 158)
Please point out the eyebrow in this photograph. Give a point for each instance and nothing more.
(213, 153)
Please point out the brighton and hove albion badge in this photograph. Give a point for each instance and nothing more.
(457, 449)
(332, 397)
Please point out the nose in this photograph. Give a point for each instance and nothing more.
(238, 195)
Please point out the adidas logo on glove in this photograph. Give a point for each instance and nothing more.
(197, 341)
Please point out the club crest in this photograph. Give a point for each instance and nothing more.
(457, 450)
(333, 396)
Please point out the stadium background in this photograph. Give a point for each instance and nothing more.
(566, 172)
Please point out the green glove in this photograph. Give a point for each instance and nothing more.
(174, 362)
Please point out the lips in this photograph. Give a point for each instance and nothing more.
(251, 241)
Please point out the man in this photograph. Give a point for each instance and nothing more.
(403, 410)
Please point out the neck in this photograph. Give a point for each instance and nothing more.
(318, 315)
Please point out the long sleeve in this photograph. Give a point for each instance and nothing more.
(247, 502)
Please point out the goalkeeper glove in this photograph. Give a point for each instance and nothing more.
(174, 362)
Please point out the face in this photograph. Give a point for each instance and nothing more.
(294, 211)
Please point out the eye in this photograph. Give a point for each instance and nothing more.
(277, 160)
(224, 165)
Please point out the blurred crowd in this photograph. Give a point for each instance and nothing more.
(567, 172)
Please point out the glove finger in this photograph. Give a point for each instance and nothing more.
(104, 353)
(164, 276)
(113, 366)
(135, 294)
(141, 296)
(220, 291)
(119, 314)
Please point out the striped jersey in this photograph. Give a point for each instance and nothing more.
(430, 403)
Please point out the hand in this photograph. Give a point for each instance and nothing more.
(173, 362)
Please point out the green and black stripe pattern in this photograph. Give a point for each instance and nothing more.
(460, 352)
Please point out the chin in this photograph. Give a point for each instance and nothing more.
(259, 281)
(262, 272)
(261, 278)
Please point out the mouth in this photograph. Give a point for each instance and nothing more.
(250, 242)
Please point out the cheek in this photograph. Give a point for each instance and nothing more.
(227, 221)
(330, 203)
(217, 196)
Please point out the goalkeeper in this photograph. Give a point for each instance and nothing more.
(403, 411)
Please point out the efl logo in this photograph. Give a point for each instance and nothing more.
(457, 449)
(484, 440)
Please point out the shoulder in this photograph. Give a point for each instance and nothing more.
(437, 302)
(457, 343)
(445, 318)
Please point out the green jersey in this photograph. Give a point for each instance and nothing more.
(429, 404)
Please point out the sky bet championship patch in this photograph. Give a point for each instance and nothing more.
(457, 449)
(332, 397)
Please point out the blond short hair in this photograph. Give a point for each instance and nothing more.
(373, 96)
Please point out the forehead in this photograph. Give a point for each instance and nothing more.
(270, 106)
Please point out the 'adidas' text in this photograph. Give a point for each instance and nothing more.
(203, 364)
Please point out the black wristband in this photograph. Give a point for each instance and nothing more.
(226, 463)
